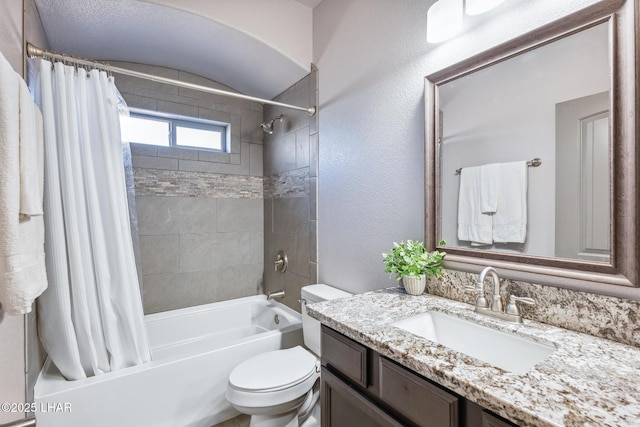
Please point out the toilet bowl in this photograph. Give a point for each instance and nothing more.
(281, 388)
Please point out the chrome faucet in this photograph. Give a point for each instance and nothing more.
(275, 295)
(512, 311)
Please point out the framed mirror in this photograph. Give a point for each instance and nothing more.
(531, 155)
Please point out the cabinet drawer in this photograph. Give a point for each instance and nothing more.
(343, 406)
(415, 398)
(344, 355)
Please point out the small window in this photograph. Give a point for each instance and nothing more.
(165, 130)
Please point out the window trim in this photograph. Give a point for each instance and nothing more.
(175, 121)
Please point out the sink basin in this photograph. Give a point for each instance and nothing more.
(509, 352)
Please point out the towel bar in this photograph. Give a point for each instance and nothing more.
(534, 163)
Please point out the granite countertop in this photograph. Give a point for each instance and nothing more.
(587, 381)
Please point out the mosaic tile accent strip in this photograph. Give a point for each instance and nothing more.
(598, 315)
(293, 183)
(171, 183)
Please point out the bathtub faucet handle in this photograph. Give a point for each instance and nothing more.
(281, 262)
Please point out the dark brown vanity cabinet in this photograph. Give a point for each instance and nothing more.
(360, 388)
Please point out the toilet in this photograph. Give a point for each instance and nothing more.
(281, 388)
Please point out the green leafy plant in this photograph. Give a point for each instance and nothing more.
(413, 259)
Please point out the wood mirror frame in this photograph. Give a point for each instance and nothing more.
(621, 277)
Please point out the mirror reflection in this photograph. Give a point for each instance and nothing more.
(552, 104)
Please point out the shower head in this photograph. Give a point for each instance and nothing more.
(268, 127)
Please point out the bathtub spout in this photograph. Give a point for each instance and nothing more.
(275, 295)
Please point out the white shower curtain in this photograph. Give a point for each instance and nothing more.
(91, 319)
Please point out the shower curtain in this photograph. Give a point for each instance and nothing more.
(90, 319)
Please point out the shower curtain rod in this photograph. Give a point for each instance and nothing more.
(36, 52)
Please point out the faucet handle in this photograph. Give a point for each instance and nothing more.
(481, 301)
(470, 288)
(512, 307)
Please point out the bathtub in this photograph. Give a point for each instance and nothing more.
(194, 350)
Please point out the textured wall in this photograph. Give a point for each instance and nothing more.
(200, 214)
(371, 61)
(290, 166)
(373, 57)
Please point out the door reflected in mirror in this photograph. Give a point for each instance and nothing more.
(553, 103)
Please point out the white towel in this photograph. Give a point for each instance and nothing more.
(510, 220)
(31, 154)
(473, 225)
(489, 187)
(22, 269)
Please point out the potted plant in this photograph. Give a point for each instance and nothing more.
(412, 263)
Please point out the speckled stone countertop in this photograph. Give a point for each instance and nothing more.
(587, 381)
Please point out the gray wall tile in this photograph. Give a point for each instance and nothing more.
(257, 245)
(313, 155)
(177, 108)
(240, 215)
(313, 203)
(174, 215)
(256, 160)
(291, 216)
(215, 115)
(301, 259)
(164, 292)
(240, 281)
(302, 147)
(143, 150)
(313, 240)
(156, 215)
(148, 162)
(206, 250)
(212, 156)
(178, 153)
(280, 154)
(222, 168)
(159, 254)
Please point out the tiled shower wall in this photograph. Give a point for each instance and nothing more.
(290, 175)
(200, 214)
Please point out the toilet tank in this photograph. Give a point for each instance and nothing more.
(310, 326)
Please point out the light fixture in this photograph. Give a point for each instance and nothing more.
(476, 7)
(444, 20)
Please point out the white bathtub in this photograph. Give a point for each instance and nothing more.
(194, 350)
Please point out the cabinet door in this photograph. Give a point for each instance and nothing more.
(345, 356)
(416, 398)
(343, 406)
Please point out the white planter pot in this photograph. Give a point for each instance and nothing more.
(414, 285)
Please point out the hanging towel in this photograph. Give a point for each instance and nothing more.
(510, 220)
(22, 269)
(31, 155)
(473, 225)
(489, 187)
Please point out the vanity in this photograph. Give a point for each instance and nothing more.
(376, 373)
(362, 388)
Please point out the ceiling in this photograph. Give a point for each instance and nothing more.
(249, 55)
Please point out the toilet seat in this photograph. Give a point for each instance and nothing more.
(273, 378)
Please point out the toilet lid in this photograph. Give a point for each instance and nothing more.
(274, 370)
